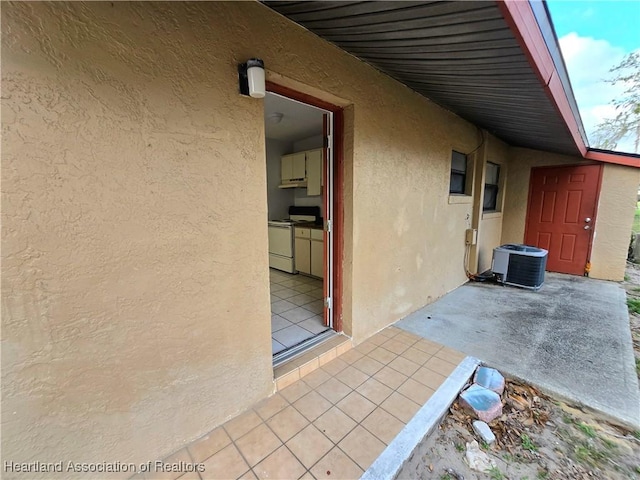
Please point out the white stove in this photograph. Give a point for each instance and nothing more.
(281, 238)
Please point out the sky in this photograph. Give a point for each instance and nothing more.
(595, 36)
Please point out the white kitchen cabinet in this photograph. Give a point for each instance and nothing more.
(293, 167)
(314, 172)
(309, 251)
(317, 256)
(302, 252)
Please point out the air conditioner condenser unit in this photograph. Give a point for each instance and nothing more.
(519, 265)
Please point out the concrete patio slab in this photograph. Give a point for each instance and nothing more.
(570, 338)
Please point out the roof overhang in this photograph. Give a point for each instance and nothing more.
(496, 64)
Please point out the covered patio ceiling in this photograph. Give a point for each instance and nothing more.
(470, 57)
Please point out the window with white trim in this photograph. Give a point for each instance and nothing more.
(458, 184)
(491, 187)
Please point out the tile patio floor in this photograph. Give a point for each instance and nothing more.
(333, 422)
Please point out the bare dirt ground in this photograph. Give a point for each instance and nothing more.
(538, 437)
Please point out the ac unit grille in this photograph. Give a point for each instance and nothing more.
(526, 271)
(519, 265)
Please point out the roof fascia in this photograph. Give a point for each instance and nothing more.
(522, 21)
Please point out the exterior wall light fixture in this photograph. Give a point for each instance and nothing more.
(251, 78)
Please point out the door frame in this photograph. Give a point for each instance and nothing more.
(595, 213)
(337, 224)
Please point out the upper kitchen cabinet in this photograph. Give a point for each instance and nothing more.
(303, 169)
(293, 168)
(314, 172)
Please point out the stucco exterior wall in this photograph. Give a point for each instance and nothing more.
(615, 208)
(135, 279)
(490, 228)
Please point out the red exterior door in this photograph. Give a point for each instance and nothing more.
(561, 215)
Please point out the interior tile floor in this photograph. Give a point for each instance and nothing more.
(333, 422)
(296, 309)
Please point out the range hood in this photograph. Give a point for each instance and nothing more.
(294, 184)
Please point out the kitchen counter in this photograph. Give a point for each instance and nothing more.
(311, 225)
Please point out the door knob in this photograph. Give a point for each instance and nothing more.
(587, 227)
(588, 219)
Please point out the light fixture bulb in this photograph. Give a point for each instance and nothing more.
(255, 77)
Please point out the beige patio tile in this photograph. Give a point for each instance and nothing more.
(333, 390)
(400, 407)
(362, 446)
(335, 424)
(287, 423)
(336, 465)
(366, 347)
(450, 355)
(309, 367)
(242, 424)
(211, 443)
(406, 337)
(257, 444)
(374, 391)
(295, 391)
(352, 377)
(309, 446)
(281, 464)
(382, 355)
(181, 455)
(194, 476)
(247, 476)
(440, 366)
(390, 377)
(327, 357)
(390, 332)
(368, 365)
(404, 366)
(429, 378)
(356, 406)
(312, 405)
(343, 348)
(395, 346)
(285, 380)
(416, 356)
(351, 356)
(416, 391)
(335, 366)
(316, 378)
(268, 407)
(427, 346)
(383, 425)
(227, 463)
(378, 339)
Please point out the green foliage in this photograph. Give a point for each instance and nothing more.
(542, 474)
(484, 445)
(636, 434)
(626, 123)
(588, 430)
(636, 220)
(446, 476)
(460, 447)
(495, 474)
(634, 305)
(589, 454)
(527, 443)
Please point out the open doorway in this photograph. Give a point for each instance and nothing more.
(300, 206)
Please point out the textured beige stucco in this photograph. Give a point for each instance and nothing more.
(615, 208)
(135, 284)
(135, 306)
